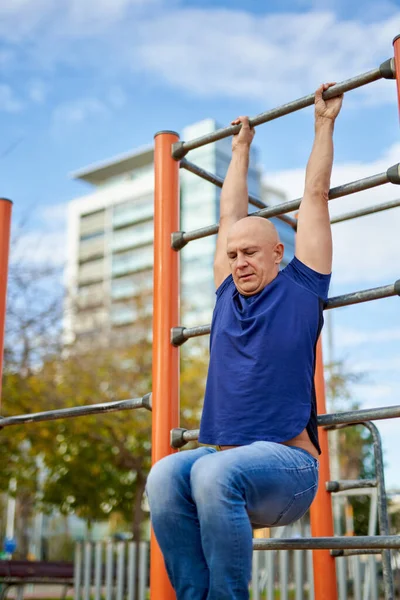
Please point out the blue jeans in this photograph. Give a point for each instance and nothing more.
(204, 504)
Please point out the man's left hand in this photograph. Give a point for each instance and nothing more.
(327, 109)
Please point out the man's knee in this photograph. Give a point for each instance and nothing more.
(161, 481)
(210, 481)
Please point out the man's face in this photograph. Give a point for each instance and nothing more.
(254, 253)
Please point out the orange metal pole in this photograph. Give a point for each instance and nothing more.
(396, 46)
(325, 586)
(165, 387)
(5, 227)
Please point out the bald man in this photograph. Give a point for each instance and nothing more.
(259, 406)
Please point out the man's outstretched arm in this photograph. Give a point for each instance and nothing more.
(314, 238)
(234, 196)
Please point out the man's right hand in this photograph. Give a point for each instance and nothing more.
(245, 136)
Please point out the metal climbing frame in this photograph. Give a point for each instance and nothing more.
(5, 226)
(169, 335)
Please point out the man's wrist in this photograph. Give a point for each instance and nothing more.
(324, 123)
(241, 148)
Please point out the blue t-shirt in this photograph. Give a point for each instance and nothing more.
(260, 383)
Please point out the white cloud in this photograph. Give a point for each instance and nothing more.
(78, 111)
(117, 97)
(365, 249)
(37, 91)
(40, 247)
(100, 13)
(212, 52)
(44, 245)
(355, 337)
(386, 364)
(54, 215)
(27, 17)
(274, 58)
(22, 17)
(374, 395)
(6, 58)
(8, 100)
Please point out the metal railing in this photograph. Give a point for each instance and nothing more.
(109, 571)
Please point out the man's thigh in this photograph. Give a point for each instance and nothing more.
(175, 469)
(278, 482)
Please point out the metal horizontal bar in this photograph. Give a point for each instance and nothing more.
(384, 291)
(78, 411)
(328, 543)
(352, 417)
(280, 209)
(357, 492)
(182, 148)
(184, 333)
(191, 435)
(366, 211)
(337, 553)
(355, 484)
(219, 182)
(214, 179)
(180, 437)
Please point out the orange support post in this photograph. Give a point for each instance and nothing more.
(325, 585)
(5, 226)
(165, 387)
(396, 46)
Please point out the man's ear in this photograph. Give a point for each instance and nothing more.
(279, 250)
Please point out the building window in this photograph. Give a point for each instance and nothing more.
(134, 285)
(91, 271)
(91, 236)
(133, 260)
(135, 235)
(90, 295)
(92, 225)
(92, 247)
(123, 313)
(132, 210)
(90, 321)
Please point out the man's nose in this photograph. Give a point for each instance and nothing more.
(241, 261)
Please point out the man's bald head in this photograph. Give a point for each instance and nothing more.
(256, 227)
(254, 252)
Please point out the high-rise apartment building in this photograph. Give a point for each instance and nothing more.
(110, 239)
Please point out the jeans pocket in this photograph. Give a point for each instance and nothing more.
(297, 506)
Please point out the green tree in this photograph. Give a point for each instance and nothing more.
(194, 367)
(33, 321)
(97, 465)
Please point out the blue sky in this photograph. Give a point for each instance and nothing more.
(83, 80)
